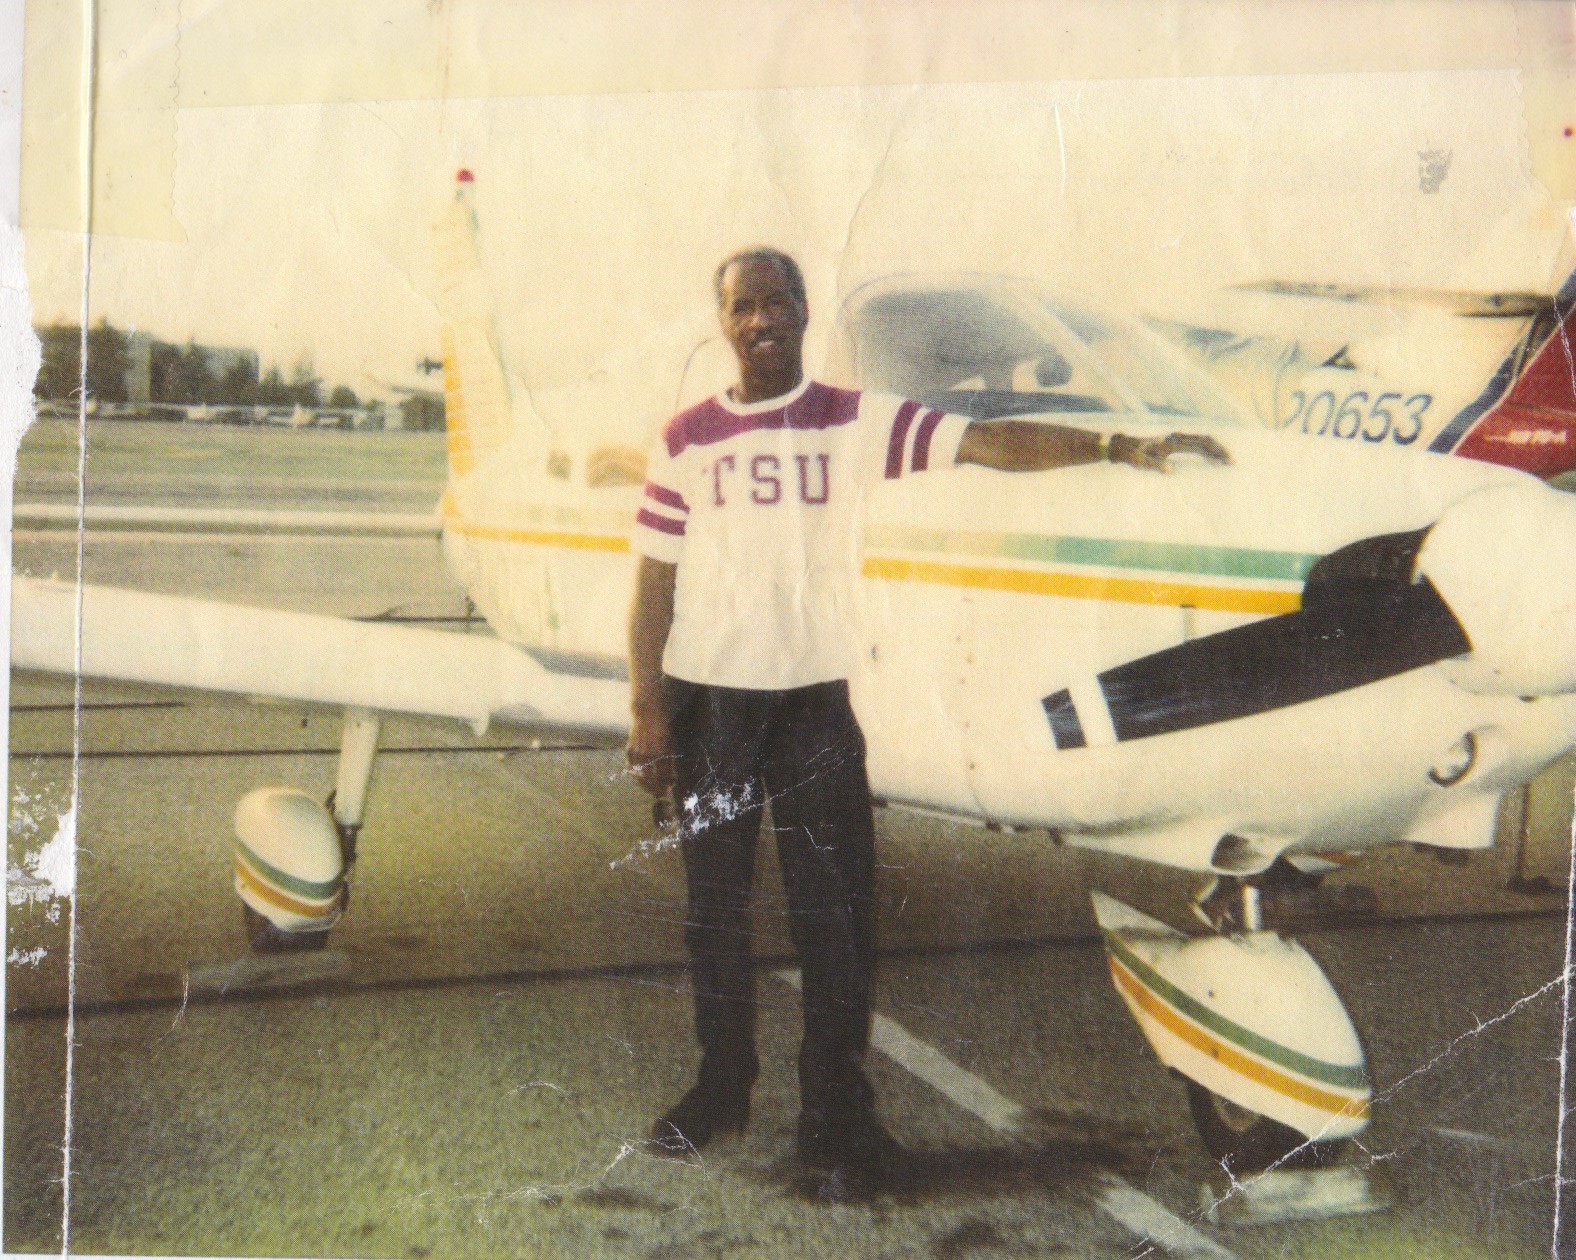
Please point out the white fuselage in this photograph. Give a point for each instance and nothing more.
(985, 592)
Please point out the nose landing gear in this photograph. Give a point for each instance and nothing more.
(1275, 1071)
(1245, 1142)
(1281, 898)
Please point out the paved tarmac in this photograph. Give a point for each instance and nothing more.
(506, 1116)
(471, 1069)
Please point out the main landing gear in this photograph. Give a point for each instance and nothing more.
(293, 855)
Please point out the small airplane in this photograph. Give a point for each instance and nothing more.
(1487, 376)
(1248, 672)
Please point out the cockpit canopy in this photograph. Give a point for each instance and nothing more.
(986, 347)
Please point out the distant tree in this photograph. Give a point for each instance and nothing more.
(181, 374)
(59, 375)
(238, 386)
(343, 396)
(165, 378)
(423, 410)
(108, 361)
(272, 390)
(198, 378)
(306, 390)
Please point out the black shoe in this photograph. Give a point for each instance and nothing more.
(704, 1113)
(850, 1157)
(846, 1142)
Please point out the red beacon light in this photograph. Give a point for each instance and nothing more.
(464, 176)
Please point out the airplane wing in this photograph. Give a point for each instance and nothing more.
(1481, 375)
(229, 519)
(1468, 305)
(134, 636)
(1322, 321)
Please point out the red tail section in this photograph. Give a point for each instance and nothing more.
(1526, 416)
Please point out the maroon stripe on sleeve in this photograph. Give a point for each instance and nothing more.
(670, 498)
(652, 521)
(927, 430)
(900, 423)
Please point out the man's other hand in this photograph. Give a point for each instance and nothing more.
(650, 752)
(1155, 453)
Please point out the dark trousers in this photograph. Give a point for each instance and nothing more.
(802, 751)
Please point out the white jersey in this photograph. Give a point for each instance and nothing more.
(759, 505)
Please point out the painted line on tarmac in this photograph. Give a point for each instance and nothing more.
(1129, 1207)
(1136, 1211)
(1468, 1138)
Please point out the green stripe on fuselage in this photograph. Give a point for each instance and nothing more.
(1107, 553)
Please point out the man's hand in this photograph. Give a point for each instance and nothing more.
(650, 752)
(1011, 445)
(650, 748)
(1155, 453)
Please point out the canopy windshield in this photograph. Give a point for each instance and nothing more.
(985, 347)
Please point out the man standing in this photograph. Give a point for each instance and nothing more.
(748, 535)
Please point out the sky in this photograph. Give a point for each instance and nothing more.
(272, 181)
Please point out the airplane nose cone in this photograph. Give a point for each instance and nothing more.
(1504, 560)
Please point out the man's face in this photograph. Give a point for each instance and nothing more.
(762, 318)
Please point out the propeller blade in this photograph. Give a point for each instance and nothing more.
(1363, 619)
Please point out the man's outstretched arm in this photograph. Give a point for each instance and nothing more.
(1025, 446)
(650, 621)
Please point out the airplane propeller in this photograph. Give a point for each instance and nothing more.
(1363, 619)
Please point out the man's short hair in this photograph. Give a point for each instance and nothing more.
(763, 253)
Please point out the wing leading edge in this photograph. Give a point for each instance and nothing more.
(134, 636)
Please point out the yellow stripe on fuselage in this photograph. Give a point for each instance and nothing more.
(539, 537)
(1229, 1056)
(1086, 586)
(1121, 590)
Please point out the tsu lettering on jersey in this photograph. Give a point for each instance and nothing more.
(759, 505)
